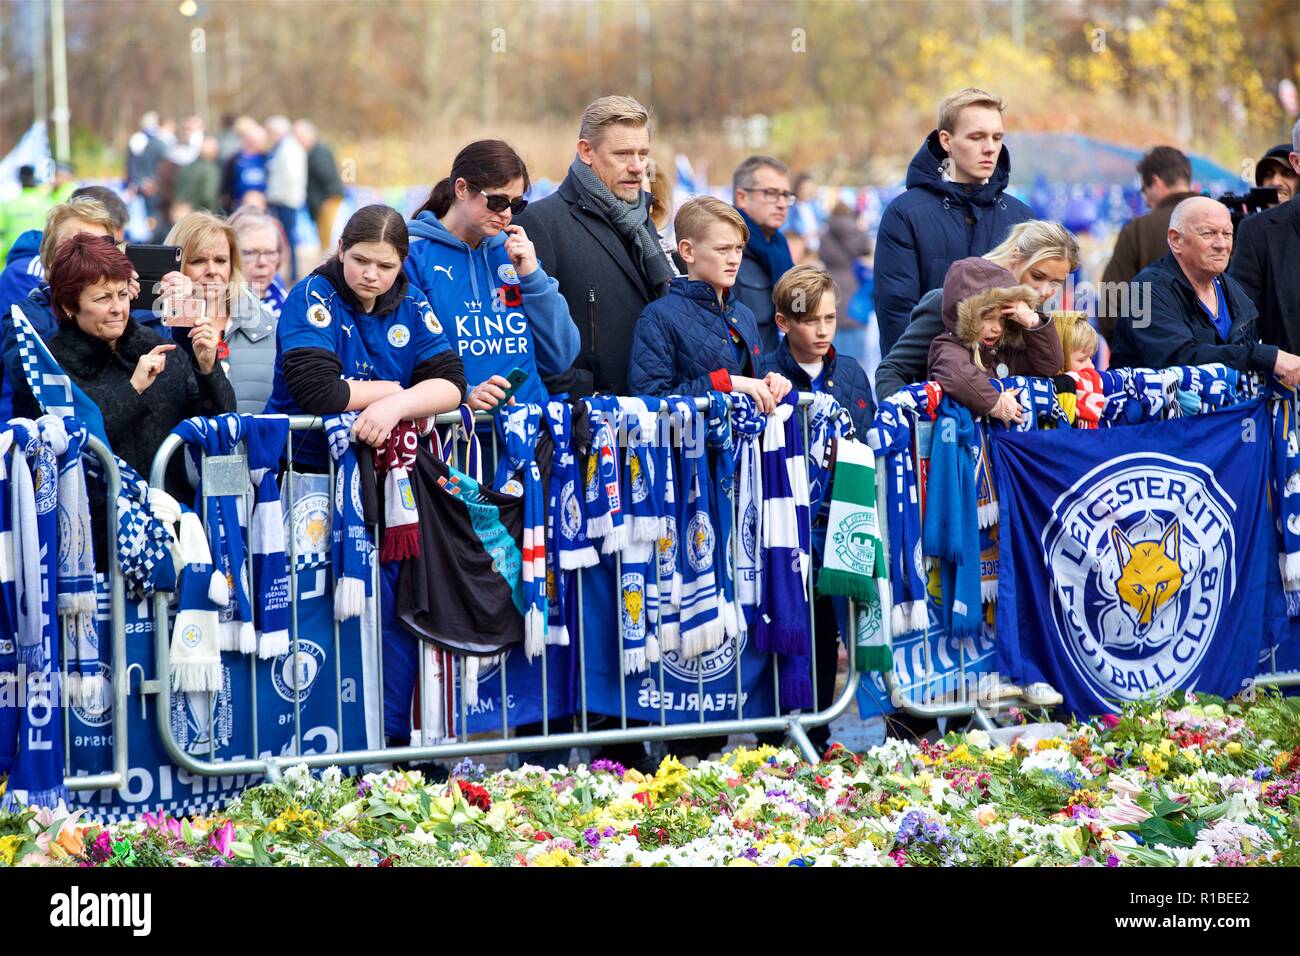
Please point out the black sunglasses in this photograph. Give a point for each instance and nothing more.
(500, 202)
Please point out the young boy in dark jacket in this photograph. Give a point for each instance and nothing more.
(698, 337)
(807, 300)
(992, 332)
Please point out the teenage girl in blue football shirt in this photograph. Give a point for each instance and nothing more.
(356, 335)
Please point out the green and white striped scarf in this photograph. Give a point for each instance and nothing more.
(854, 561)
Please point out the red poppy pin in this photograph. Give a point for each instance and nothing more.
(511, 297)
(862, 403)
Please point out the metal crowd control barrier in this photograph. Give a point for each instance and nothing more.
(794, 725)
(117, 777)
(920, 697)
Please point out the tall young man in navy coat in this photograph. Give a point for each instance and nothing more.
(955, 206)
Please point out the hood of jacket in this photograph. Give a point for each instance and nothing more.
(450, 251)
(926, 172)
(973, 286)
(332, 269)
(28, 244)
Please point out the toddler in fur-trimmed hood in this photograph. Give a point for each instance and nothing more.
(992, 331)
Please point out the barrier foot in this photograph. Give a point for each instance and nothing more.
(794, 730)
(983, 720)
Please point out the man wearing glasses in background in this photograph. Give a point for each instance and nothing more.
(762, 196)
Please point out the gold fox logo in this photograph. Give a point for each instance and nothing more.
(1150, 574)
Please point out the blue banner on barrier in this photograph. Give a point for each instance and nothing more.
(681, 698)
(523, 691)
(1134, 560)
(222, 723)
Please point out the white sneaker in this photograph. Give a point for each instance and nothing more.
(1006, 690)
(1042, 695)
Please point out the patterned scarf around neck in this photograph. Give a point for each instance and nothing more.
(630, 220)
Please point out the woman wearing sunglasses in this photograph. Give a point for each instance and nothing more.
(499, 310)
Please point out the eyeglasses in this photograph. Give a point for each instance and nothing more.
(772, 195)
(252, 255)
(500, 202)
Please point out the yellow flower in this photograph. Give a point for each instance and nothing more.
(555, 858)
(1048, 743)
(1233, 748)
(473, 859)
(1000, 754)
(9, 849)
(961, 753)
(898, 803)
(1281, 760)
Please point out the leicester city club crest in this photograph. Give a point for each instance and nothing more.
(1142, 554)
(633, 607)
(570, 511)
(294, 673)
(699, 542)
(398, 336)
(668, 549)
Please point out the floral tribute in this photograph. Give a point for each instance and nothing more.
(1185, 781)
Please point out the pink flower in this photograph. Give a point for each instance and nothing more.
(221, 838)
(1109, 721)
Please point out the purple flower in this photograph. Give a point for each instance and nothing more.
(608, 766)
(608, 832)
(363, 787)
(1262, 773)
(592, 837)
(751, 853)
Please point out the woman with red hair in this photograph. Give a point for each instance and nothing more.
(142, 383)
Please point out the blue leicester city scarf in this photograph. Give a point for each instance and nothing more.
(602, 498)
(1135, 562)
(37, 775)
(567, 546)
(352, 547)
(221, 436)
(951, 531)
(747, 424)
(518, 475)
(723, 468)
(265, 437)
(8, 613)
(782, 626)
(890, 437)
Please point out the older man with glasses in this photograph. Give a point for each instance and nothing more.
(762, 196)
(1183, 309)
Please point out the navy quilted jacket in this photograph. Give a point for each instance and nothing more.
(681, 340)
(932, 225)
(842, 378)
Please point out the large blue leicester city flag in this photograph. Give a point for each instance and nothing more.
(1134, 560)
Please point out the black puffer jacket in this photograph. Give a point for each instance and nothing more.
(136, 423)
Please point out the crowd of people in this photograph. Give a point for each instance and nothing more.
(280, 167)
(582, 291)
